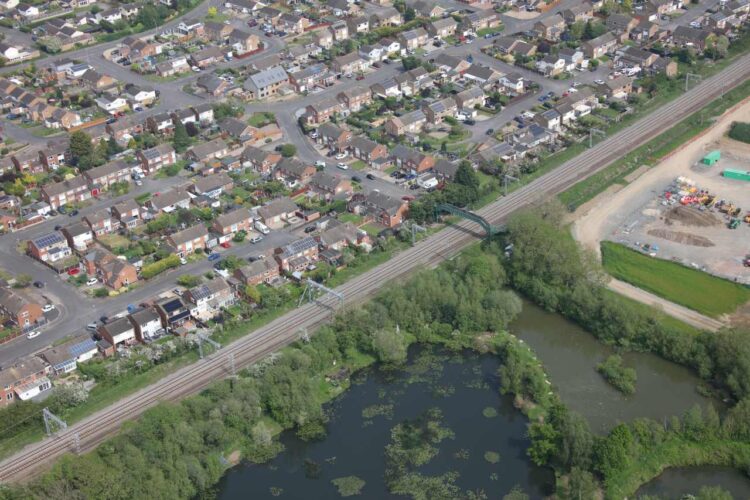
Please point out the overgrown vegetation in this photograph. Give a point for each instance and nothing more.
(617, 374)
(740, 131)
(691, 288)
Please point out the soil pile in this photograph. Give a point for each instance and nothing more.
(690, 216)
(682, 238)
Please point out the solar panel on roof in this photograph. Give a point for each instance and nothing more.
(47, 240)
(82, 347)
(200, 292)
(172, 305)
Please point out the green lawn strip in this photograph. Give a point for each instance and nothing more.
(682, 285)
(358, 165)
(664, 319)
(675, 452)
(651, 152)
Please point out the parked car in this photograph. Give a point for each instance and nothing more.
(226, 244)
(309, 229)
(320, 163)
(360, 77)
(341, 156)
(33, 334)
(48, 307)
(342, 166)
(73, 213)
(490, 131)
(92, 326)
(214, 256)
(183, 261)
(38, 284)
(92, 281)
(256, 239)
(254, 258)
(370, 176)
(356, 178)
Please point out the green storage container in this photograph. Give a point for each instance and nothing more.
(740, 175)
(711, 157)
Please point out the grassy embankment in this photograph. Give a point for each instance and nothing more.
(682, 285)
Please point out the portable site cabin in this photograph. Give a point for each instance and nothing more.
(711, 157)
(740, 175)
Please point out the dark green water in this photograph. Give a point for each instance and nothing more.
(675, 483)
(462, 385)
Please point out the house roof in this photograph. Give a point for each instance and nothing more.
(77, 229)
(212, 182)
(190, 234)
(157, 151)
(118, 326)
(299, 246)
(384, 202)
(265, 78)
(169, 198)
(233, 126)
(107, 169)
(69, 350)
(12, 301)
(48, 240)
(233, 217)
(256, 268)
(209, 148)
(277, 207)
(23, 368)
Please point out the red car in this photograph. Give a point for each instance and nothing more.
(360, 77)
(226, 244)
(73, 271)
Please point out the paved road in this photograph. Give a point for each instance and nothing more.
(429, 252)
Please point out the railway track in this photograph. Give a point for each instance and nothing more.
(96, 428)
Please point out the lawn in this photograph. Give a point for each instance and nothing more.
(697, 290)
(372, 229)
(259, 120)
(489, 31)
(113, 240)
(349, 217)
(359, 165)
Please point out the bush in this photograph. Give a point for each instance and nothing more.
(740, 131)
(101, 292)
(151, 270)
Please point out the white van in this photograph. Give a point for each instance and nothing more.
(261, 227)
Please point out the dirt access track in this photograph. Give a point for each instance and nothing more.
(632, 213)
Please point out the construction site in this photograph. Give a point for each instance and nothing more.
(692, 208)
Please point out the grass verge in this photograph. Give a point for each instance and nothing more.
(682, 285)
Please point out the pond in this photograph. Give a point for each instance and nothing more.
(677, 482)
(463, 386)
(570, 355)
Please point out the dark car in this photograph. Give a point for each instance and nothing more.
(103, 319)
(370, 176)
(490, 131)
(58, 227)
(73, 213)
(39, 284)
(214, 256)
(469, 122)
(309, 229)
(356, 178)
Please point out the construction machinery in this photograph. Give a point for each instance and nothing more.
(734, 223)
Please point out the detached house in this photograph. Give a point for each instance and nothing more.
(297, 255)
(118, 331)
(51, 247)
(187, 241)
(260, 271)
(208, 299)
(380, 207)
(277, 212)
(154, 159)
(18, 309)
(228, 224)
(210, 150)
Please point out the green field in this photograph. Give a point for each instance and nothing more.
(682, 285)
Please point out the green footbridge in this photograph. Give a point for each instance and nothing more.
(489, 229)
